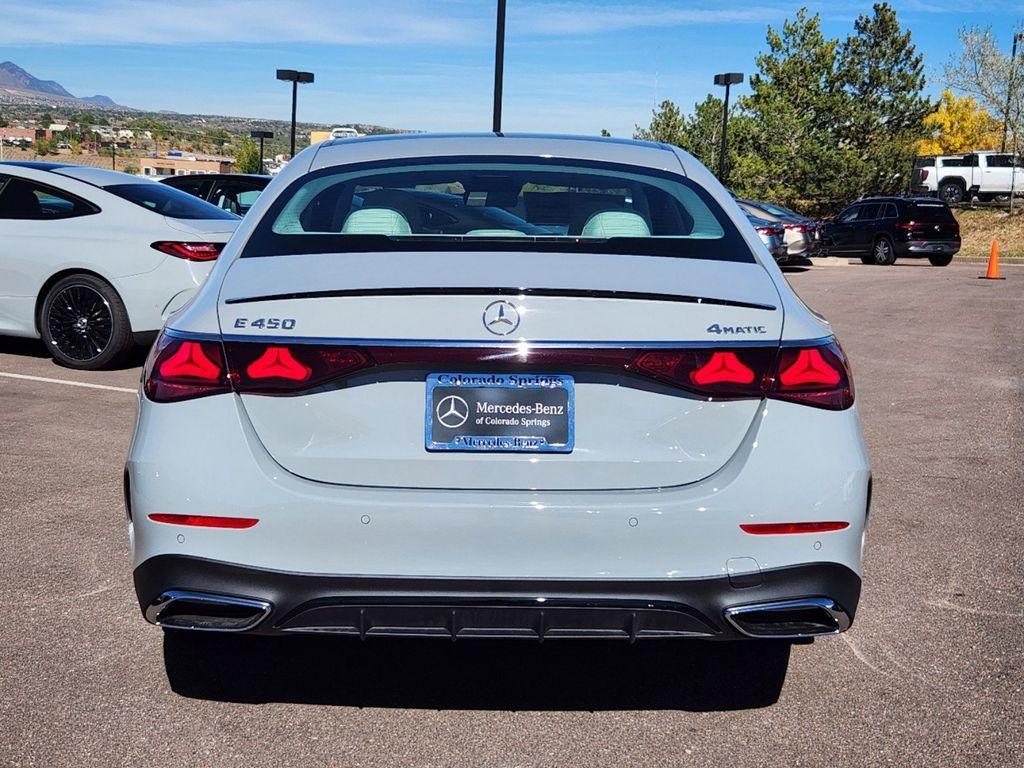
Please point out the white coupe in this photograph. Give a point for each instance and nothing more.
(93, 261)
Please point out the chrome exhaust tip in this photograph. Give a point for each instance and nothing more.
(804, 617)
(211, 613)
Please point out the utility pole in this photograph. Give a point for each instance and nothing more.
(499, 65)
(727, 79)
(1017, 36)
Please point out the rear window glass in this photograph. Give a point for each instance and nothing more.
(930, 212)
(168, 201)
(924, 162)
(503, 204)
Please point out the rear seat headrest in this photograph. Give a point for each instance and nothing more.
(376, 221)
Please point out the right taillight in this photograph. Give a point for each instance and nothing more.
(816, 375)
(189, 251)
(184, 368)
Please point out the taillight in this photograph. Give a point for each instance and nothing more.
(801, 228)
(181, 368)
(189, 251)
(279, 369)
(924, 174)
(712, 372)
(817, 376)
(908, 225)
(184, 368)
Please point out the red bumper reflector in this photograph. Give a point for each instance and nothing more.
(204, 521)
(768, 529)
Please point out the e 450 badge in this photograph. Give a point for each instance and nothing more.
(738, 330)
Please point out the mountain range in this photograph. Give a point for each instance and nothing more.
(20, 87)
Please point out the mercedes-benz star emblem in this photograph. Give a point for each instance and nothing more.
(452, 411)
(501, 318)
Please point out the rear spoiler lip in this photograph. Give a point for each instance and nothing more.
(379, 342)
(549, 292)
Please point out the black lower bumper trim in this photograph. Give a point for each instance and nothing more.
(368, 606)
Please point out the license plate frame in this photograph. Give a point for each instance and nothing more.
(518, 396)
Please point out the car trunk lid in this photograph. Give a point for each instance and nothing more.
(422, 314)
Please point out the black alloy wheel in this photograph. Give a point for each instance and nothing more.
(84, 323)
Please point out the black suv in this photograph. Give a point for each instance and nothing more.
(235, 192)
(882, 229)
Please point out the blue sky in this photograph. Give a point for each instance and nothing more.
(427, 64)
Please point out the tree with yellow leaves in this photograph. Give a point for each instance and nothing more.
(959, 125)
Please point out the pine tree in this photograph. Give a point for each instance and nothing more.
(793, 154)
(882, 78)
(667, 125)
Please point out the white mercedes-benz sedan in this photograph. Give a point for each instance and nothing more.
(517, 386)
(93, 261)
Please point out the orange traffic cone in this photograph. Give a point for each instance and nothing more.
(993, 263)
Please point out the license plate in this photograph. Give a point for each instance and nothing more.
(504, 412)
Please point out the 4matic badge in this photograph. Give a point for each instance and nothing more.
(739, 330)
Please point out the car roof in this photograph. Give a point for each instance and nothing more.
(97, 177)
(260, 176)
(900, 199)
(36, 165)
(409, 145)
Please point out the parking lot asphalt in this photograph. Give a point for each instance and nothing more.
(930, 674)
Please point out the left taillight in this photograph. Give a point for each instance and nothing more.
(188, 250)
(182, 368)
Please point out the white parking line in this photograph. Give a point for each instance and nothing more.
(65, 381)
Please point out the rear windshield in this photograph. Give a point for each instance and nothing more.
(506, 204)
(924, 162)
(168, 201)
(932, 213)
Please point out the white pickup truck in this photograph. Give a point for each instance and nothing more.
(961, 178)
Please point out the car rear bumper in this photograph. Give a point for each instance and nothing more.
(795, 601)
(930, 248)
(796, 464)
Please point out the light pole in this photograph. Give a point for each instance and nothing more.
(294, 77)
(261, 135)
(1017, 36)
(727, 79)
(499, 65)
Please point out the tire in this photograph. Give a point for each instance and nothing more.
(84, 323)
(941, 261)
(952, 192)
(882, 252)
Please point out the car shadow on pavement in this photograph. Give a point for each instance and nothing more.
(10, 345)
(569, 675)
